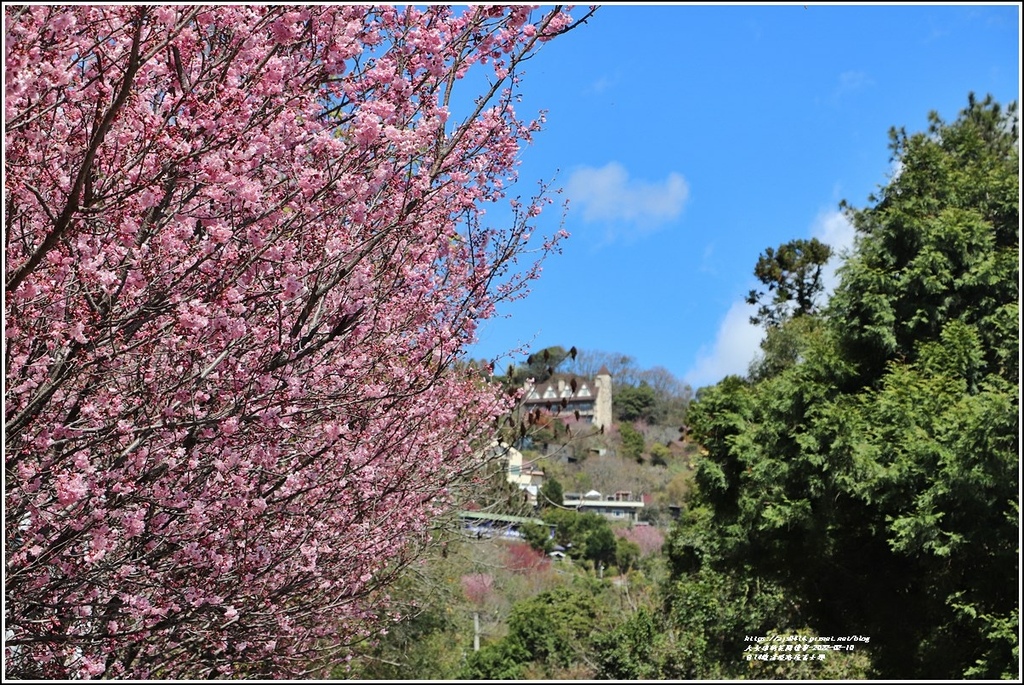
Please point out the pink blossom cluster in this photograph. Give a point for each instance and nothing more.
(245, 251)
(520, 557)
(648, 538)
(478, 587)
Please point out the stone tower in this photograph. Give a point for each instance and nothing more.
(603, 402)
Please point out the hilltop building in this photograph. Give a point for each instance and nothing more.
(622, 506)
(589, 400)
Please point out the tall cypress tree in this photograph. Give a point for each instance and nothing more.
(874, 475)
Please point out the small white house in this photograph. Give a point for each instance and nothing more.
(622, 506)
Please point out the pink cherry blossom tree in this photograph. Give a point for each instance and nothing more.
(478, 588)
(520, 557)
(648, 538)
(245, 248)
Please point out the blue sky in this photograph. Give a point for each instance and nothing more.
(689, 138)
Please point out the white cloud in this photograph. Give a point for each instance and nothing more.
(834, 229)
(604, 83)
(851, 82)
(737, 344)
(608, 195)
(707, 266)
(895, 169)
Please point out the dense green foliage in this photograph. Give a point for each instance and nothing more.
(635, 403)
(660, 454)
(551, 494)
(632, 442)
(627, 554)
(550, 632)
(628, 652)
(869, 468)
(585, 536)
